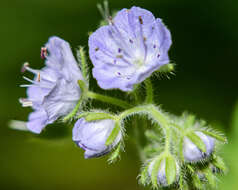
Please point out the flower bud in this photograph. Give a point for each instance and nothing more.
(92, 136)
(161, 176)
(192, 153)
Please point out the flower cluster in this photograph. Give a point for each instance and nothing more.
(181, 151)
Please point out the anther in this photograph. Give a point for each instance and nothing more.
(140, 20)
(38, 77)
(25, 102)
(96, 49)
(110, 20)
(130, 40)
(43, 53)
(24, 66)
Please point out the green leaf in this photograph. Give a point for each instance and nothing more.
(215, 135)
(113, 134)
(170, 169)
(115, 154)
(93, 116)
(197, 141)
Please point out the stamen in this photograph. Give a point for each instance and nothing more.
(43, 53)
(154, 46)
(29, 80)
(38, 77)
(25, 102)
(158, 55)
(140, 20)
(110, 20)
(24, 67)
(144, 38)
(96, 49)
(119, 50)
(130, 40)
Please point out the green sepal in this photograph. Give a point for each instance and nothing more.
(234, 119)
(152, 136)
(181, 149)
(97, 116)
(210, 177)
(167, 68)
(170, 169)
(155, 170)
(189, 121)
(190, 168)
(144, 175)
(115, 154)
(219, 163)
(197, 141)
(196, 181)
(112, 137)
(214, 135)
(182, 183)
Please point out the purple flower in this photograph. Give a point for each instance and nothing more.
(54, 91)
(92, 136)
(129, 49)
(192, 153)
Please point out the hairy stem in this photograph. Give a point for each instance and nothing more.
(108, 99)
(83, 60)
(149, 91)
(156, 115)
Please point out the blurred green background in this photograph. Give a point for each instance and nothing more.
(205, 50)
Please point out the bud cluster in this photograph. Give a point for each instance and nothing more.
(193, 156)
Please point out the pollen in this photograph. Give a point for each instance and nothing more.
(140, 20)
(43, 53)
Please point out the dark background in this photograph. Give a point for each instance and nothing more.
(205, 50)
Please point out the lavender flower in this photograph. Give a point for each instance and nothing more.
(54, 91)
(92, 136)
(192, 153)
(129, 49)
